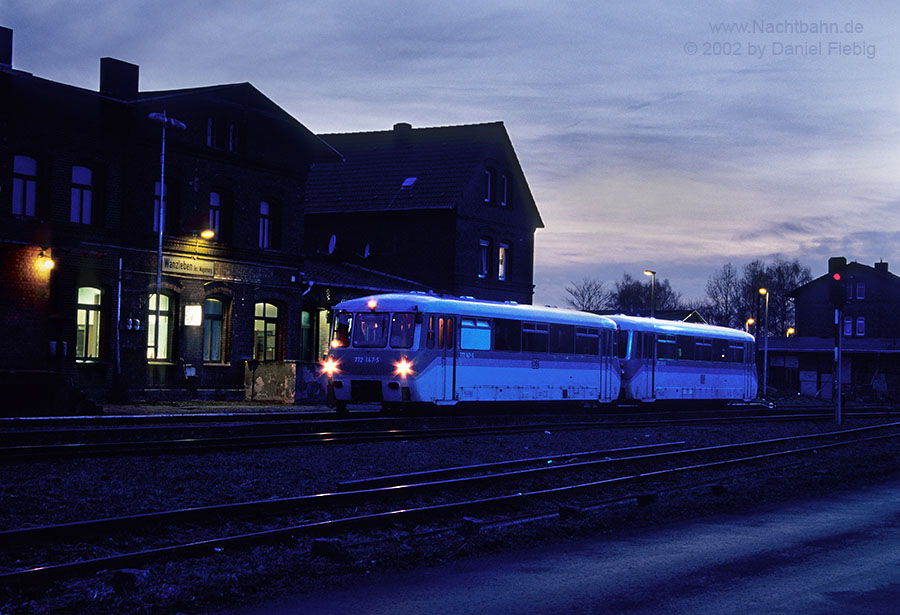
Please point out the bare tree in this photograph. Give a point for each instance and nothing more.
(732, 300)
(632, 296)
(723, 290)
(588, 295)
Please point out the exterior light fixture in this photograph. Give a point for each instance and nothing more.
(207, 233)
(652, 275)
(45, 261)
(763, 291)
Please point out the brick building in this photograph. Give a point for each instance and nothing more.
(448, 207)
(869, 335)
(80, 175)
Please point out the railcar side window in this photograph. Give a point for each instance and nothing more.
(587, 341)
(685, 347)
(474, 334)
(507, 335)
(535, 337)
(371, 330)
(562, 339)
(403, 328)
(736, 353)
(703, 349)
(666, 347)
(720, 350)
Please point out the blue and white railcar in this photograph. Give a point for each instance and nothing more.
(669, 360)
(416, 347)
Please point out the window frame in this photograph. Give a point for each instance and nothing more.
(92, 322)
(24, 186)
(167, 332)
(270, 322)
(214, 324)
(81, 202)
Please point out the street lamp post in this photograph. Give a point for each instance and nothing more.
(165, 120)
(763, 291)
(652, 275)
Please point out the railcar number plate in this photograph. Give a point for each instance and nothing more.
(366, 359)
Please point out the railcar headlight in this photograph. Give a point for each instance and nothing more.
(403, 367)
(330, 366)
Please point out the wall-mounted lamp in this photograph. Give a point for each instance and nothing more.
(45, 261)
(207, 233)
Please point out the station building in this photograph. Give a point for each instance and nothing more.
(109, 286)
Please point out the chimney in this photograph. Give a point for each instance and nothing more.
(881, 266)
(118, 79)
(5, 47)
(836, 263)
(402, 134)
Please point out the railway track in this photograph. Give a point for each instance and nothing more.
(89, 439)
(507, 492)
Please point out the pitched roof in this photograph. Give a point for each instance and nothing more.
(407, 168)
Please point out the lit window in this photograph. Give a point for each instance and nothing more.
(24, 193)
(213, 324)
(484, 257)
(159, 348)
(502, 261)
(265, 332)
(82, 193)
(215, 213)
(156, 211)
(265, 223)
(87, 334)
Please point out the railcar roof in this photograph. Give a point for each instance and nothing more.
(407, 302)
(638, 323)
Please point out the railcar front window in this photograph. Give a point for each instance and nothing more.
(371, 330)
(343, 322)
(403, 327)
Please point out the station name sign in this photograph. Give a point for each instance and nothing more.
(192, 266)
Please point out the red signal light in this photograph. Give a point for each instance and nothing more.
(837, 277)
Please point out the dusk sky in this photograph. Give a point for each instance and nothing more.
(661, 135)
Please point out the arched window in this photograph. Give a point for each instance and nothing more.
(87, 318)
(159, 348)
(265, 332)
(213, 328)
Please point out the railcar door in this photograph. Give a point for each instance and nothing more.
(446, 343)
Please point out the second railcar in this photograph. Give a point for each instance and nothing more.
(667, 360)
(412, 347)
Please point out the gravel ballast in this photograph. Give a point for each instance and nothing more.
(49, 492)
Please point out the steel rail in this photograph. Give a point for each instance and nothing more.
(394, 486)
(40, 575)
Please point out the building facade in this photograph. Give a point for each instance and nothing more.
(865, 328)
(127, 309)
(446, 207)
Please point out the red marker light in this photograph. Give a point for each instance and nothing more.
(837, 277)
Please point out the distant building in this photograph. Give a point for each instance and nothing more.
(446, 207)
(870, 335)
